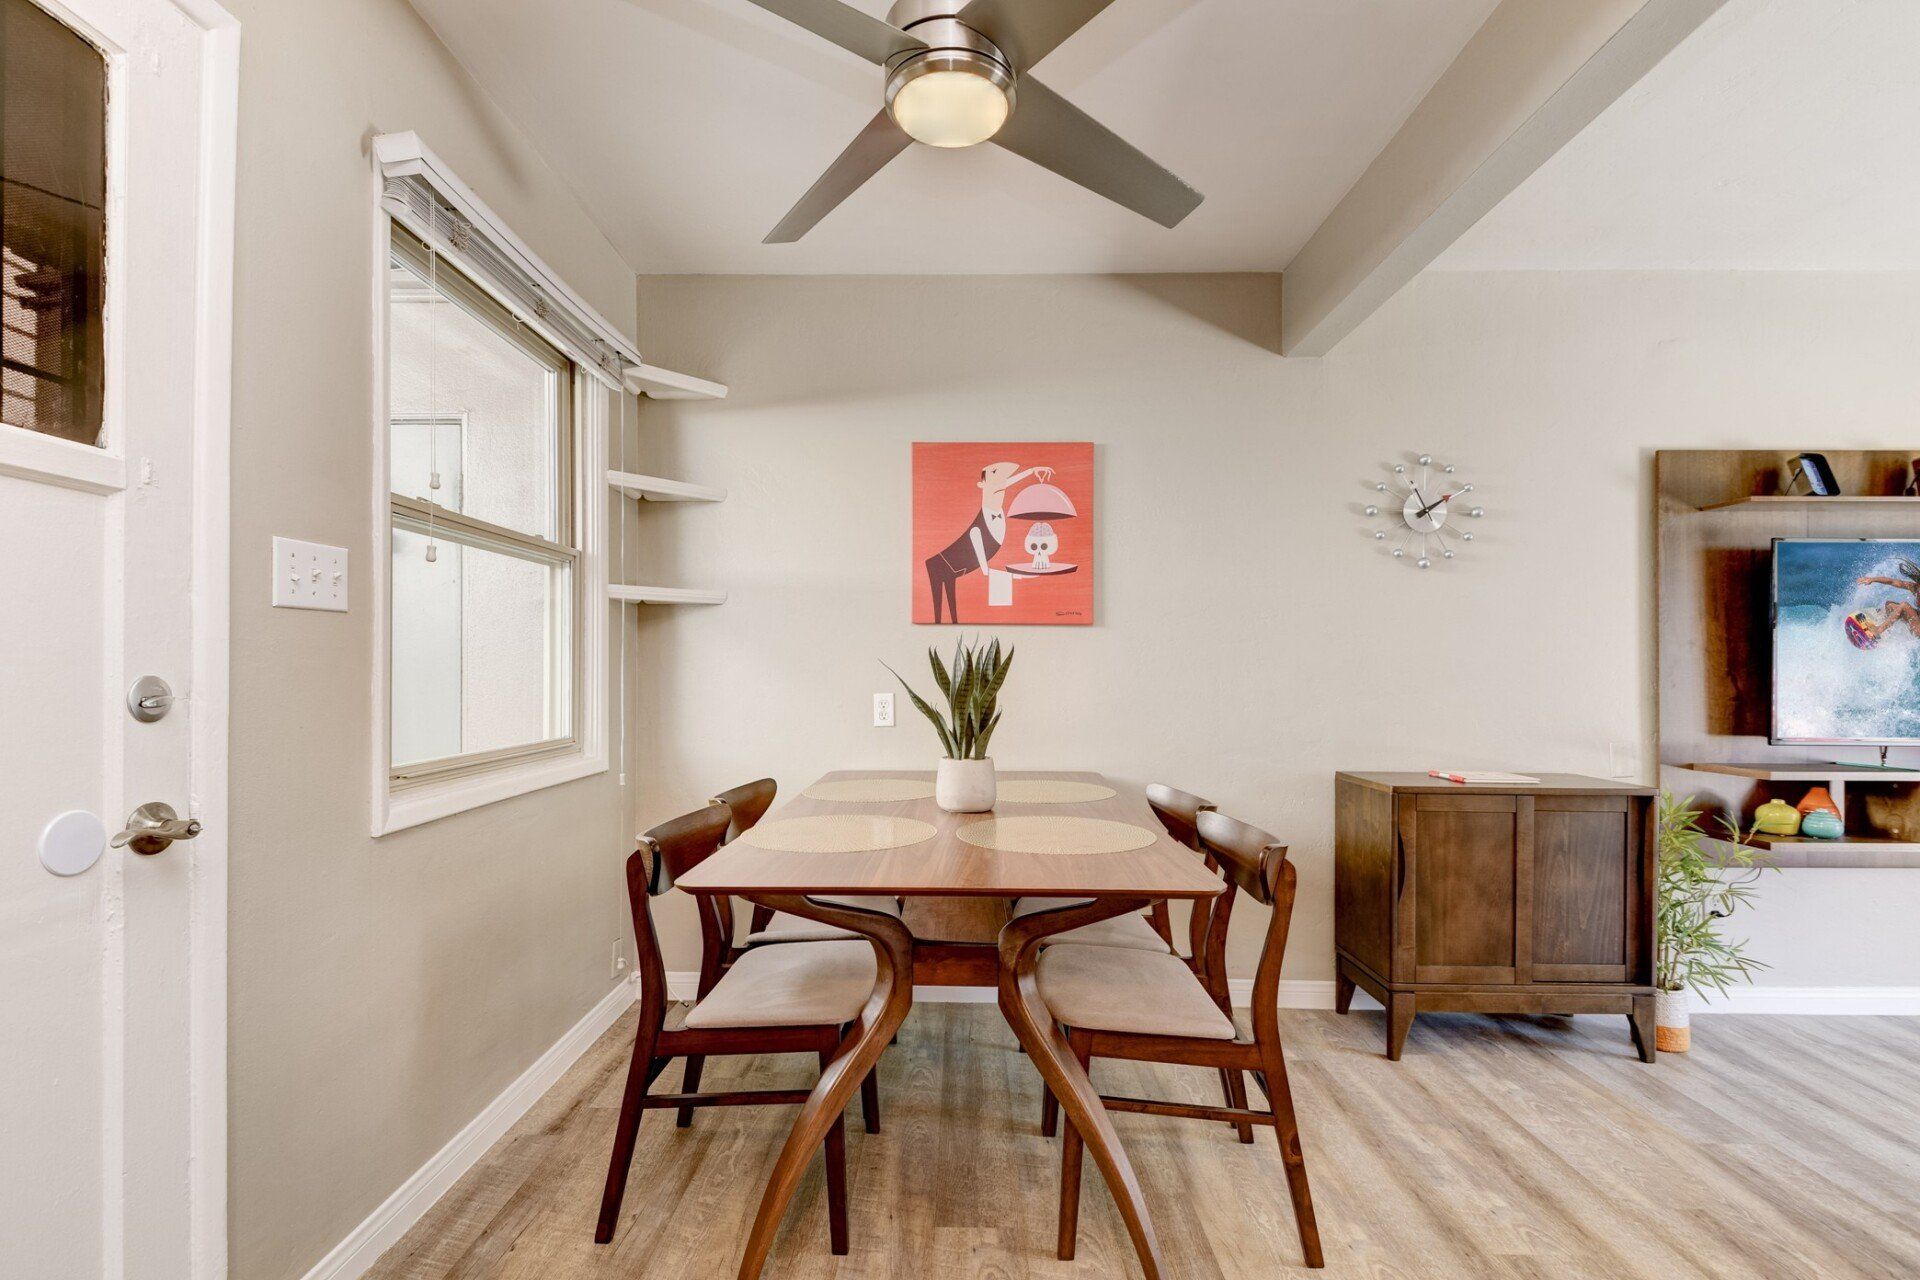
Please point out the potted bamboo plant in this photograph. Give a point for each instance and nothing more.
(1696, 892)
(964, 782)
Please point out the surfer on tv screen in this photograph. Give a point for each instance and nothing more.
(1866, 627)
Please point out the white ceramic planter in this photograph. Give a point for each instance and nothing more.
(964, 786)
(1671, 1030)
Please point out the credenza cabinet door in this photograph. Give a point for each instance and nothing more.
(1586, 888)
(1462, 859)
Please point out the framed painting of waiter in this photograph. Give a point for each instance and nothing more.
(1003, 534)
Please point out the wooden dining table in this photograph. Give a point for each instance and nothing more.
(945, 870)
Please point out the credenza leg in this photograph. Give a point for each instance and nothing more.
(1342, 991)
(1399, 1022)
(1641, 1020)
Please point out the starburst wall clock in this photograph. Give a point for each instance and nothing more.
(1421, 508)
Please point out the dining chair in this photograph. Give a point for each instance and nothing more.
(1133, 1004)
(750, 802)
(1179, 813)
(788, 999)
(747, 804)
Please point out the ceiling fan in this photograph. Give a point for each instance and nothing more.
(956, 76)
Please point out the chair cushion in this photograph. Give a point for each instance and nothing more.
(784, 927)
(816, 984)
(1115, 989)
(1129, 930)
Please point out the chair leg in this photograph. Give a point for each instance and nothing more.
(1286, 1130)
(691, 1084)
(1071, 1145)
(1162, 922)
(870, 1099)
(640, 1073)
(1049, 1112)
(835, 1148)
(1236, 1090)
(757, 922)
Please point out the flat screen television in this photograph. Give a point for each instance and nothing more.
(1846, 641)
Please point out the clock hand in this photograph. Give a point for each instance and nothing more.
(1441, 501)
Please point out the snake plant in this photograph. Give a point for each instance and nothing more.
(972, 690)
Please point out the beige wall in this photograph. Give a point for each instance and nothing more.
(382, 992)
(1251, 638)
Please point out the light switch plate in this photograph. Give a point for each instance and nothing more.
(309, 575)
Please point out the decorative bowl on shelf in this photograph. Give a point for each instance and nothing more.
(1822, 824)
(1818, 800)
(1777, 818)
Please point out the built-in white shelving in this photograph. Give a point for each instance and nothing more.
(663, 595)
(664, 384)
(659, 489)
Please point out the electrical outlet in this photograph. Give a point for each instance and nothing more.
(309, 575)
(619, 963)
(883, 711)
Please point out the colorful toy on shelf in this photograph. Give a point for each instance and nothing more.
(1817, 799)
(1822, 824)
(1777, 818)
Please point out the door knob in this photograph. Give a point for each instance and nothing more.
(154, 826)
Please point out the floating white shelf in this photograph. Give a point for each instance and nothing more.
(663, 595)
(1809, 771)
(664, 384)
(656, 489)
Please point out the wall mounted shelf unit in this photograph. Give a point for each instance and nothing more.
(658, 489)
(1719, 511)
(664, 384)
(663, 595)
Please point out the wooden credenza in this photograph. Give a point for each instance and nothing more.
(1486, 899)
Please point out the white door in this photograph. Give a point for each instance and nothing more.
(113, 447)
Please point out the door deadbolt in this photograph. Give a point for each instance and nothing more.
(150, 699)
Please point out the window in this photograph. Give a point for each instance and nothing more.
(485, 573)
(53, 192)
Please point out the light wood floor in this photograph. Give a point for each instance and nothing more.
(1522, 1148)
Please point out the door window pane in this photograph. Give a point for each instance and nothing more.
(53, 189)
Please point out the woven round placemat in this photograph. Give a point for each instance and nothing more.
(1050, 834)
(1049, 791)
(838, 833)
(871, 790)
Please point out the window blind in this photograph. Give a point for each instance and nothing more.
(418, 192)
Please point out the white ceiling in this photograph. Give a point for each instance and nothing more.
(688, 127)
(1783, 135)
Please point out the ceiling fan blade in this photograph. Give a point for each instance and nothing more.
(846, 26)
(1027, 32)
(1056, 135)
(865, 156)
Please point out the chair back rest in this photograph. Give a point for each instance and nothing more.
(749, 802)
(667, 852)
(1248, 857)
(1253, 861)
(678, 845)
(1179, 812)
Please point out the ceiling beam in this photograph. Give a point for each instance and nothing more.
(1532, 77)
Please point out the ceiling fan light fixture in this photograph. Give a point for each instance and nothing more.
(956, 92)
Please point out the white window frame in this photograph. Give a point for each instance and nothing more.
(403, 804)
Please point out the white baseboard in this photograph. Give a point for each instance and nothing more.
(1880, 1001)
(363, 1246)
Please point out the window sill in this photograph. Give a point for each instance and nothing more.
(429, 802)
